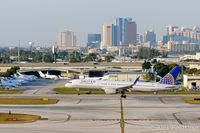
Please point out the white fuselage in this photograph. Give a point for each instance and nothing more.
(101, 84)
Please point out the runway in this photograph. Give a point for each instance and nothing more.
(101, 114)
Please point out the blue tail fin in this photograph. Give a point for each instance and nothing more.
(170, 78)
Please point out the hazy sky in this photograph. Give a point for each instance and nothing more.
(41, 20)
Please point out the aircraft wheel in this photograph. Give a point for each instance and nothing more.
(123, 96)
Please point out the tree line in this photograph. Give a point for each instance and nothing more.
(10, 71)
(160, 68)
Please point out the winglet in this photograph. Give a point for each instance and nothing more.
(136, 80)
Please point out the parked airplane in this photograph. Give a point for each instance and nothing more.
(5, 83)
(51, 76)
(25, 77)
(48, 76)
(111, 86)
(63, 77)
(42, 75)
(16, 80)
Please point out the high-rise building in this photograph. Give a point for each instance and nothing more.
(184, 34)
(66, 39)
(121, 24)
(165, 39)
(181, 47)
(94, 37)
(149, 36)
(123, 33)
(171, 29)
(130, 33)
(107, 35)
(94, 41)
(115, 36)
(139, 39)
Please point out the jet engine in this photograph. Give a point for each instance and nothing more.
(110, 91)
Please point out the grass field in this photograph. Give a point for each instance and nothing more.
(74, 91)
(191, 100)
(27, 101)
(20, 118)
(3, 91)
(166, 93)
(62, 90)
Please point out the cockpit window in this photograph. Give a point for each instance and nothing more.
(70, 82)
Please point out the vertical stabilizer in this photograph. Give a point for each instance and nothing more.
(170, 78)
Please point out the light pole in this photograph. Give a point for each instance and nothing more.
(122, 117)
(19, 52)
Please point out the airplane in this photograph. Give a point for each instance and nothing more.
(25, 77)
(16, 80)
(63, 77)
(109, 86)
(42, 75)
(112, 86)
(48, 76)
(51, 76)
(5, 83)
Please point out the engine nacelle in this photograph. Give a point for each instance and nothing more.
(110, 91)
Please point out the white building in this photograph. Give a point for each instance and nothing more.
(67, 40)
(175, 46)
(191, 80)
(107, 35)
(192, 57)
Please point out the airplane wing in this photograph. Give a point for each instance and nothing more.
(121, 88)
(129, 86)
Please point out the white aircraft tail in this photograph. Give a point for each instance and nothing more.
(42, 75)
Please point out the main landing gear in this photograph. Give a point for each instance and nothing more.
(123, 94)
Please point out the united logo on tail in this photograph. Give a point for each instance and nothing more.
(170, 78)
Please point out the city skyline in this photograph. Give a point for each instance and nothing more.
(40, 21)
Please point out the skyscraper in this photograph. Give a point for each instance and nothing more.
(94, 41)
(149, 36)
(121, 24)
(171, 29)
(94, 37)
(107, 34)
(182, 34)
(66, 39)
(130, 33)
(115, 36)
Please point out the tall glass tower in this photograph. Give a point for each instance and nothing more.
(94, 37)
(121, 24)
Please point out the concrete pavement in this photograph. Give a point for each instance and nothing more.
(101, 113)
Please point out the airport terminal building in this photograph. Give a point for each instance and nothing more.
(125, 76)
(191, 80)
